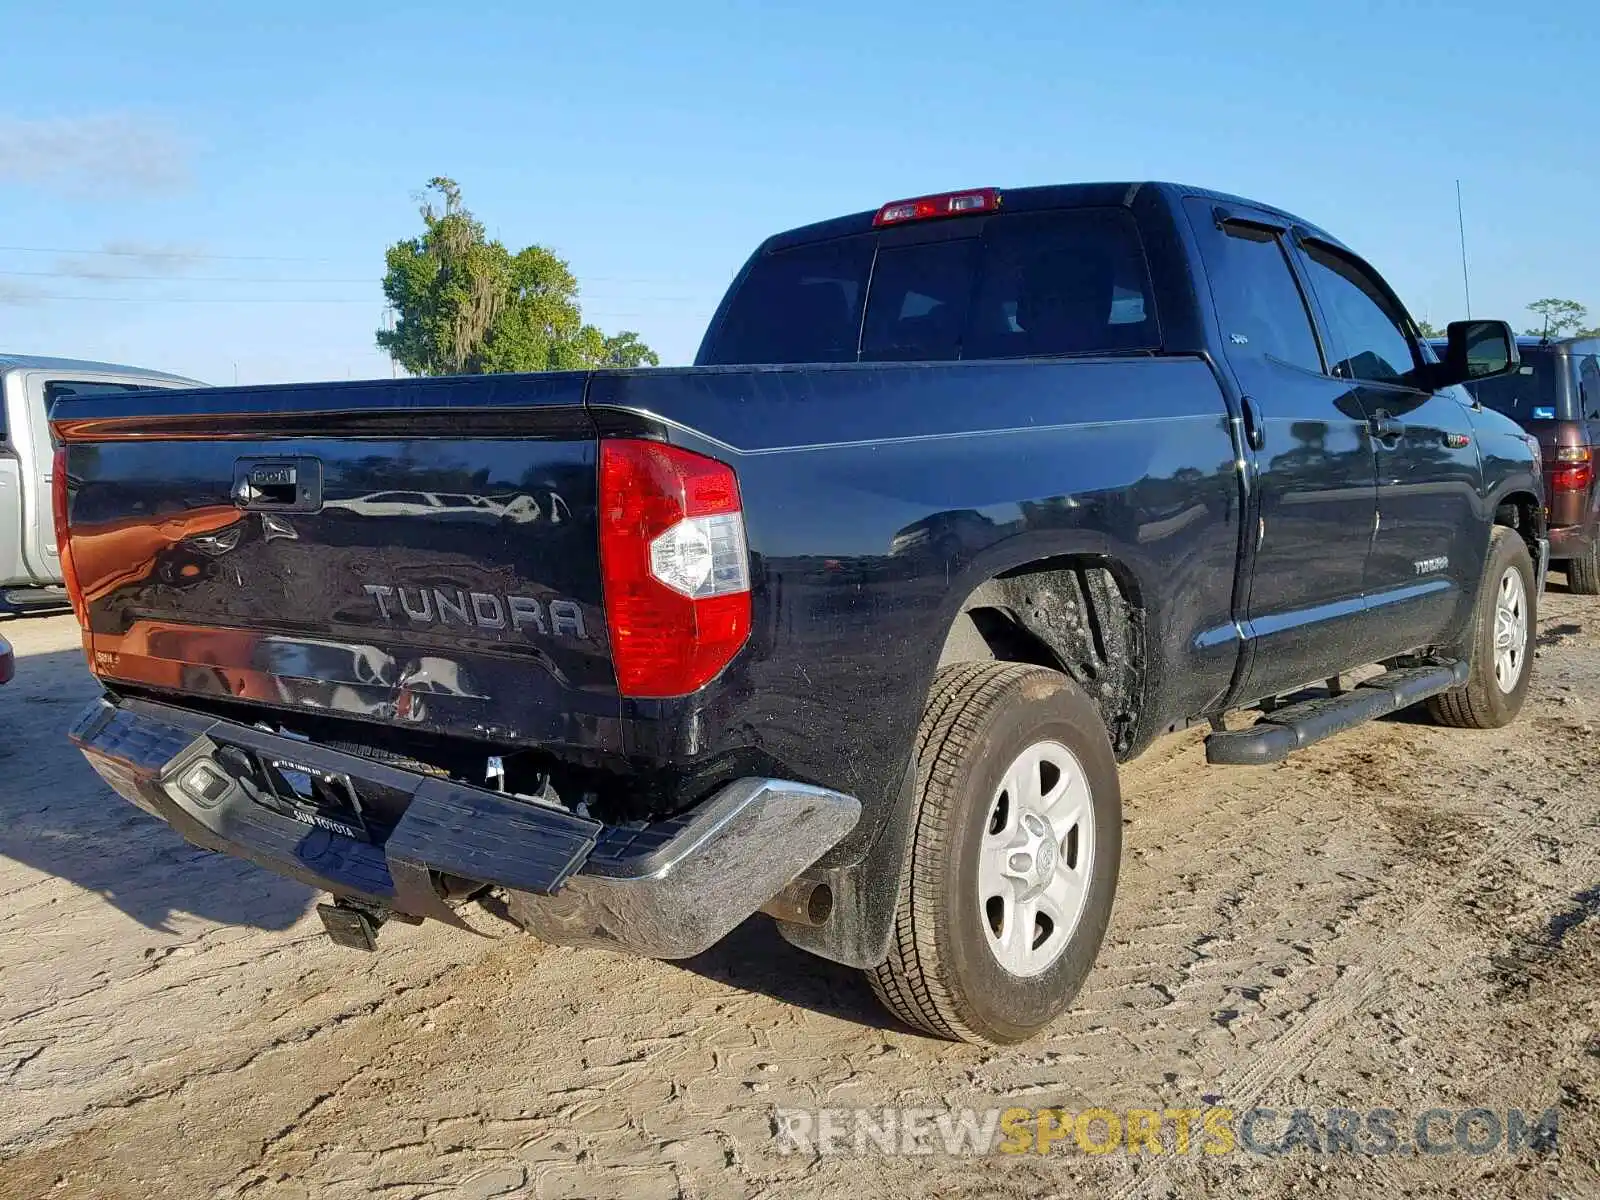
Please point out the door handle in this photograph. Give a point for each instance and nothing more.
(1255, 432)
(1384, 427)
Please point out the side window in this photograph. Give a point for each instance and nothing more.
(1259, 305)
(1589, 386)
(1370, 329)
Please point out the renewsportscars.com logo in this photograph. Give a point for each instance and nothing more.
(1180, 1131)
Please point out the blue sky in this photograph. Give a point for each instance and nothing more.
(654, 144)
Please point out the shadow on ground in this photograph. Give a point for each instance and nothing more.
(57, 816)
(755, 958)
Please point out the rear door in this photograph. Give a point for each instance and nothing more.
(1315, 489)
(1429, 540)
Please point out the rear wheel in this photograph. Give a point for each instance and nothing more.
(1583, 572)
(1501, 645)
(1012, 865)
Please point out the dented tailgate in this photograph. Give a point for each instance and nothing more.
(416, 552)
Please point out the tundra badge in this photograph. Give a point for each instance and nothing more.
(477, 610)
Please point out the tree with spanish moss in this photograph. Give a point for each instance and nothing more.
(1557, 317)
(465, 304)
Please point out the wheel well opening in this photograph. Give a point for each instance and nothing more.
(1074, 615)
(1522, 512)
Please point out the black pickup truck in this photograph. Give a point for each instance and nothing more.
(965, 500)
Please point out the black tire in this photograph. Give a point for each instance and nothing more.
(940, 974)
(1481, 703)
(1583, 572)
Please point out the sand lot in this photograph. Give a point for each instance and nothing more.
(1402, 917)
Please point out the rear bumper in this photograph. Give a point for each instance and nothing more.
(668, 889)
(1570, 541)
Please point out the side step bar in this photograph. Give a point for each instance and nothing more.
(1293, 727)
(23, 600)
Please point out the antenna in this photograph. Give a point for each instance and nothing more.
(388, 325)
(1461, 226)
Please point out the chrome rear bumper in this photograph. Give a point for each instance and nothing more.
(730, 856)
(667, 889)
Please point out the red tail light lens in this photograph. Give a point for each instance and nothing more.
(59, 504)
(1571, 477)
(674, 564)
(1573, 469)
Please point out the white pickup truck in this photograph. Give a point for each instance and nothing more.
(30, 570)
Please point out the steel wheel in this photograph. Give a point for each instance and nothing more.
(1036, 858)
(1510, 630)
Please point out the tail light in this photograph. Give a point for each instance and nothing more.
(674, 564)
(59, 499)
(1573, 469)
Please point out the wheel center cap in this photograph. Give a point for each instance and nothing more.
(1033, 856)
(1046, 859)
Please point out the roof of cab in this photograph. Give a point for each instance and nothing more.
(1062, 195)
(39, 362)
(1532, 341)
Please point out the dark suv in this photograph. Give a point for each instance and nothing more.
(1556, 397)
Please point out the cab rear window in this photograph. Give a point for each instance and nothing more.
(1026, 284)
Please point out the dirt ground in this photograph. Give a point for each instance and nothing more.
(1402, 917)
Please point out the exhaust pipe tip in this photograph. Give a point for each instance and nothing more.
(802, 902)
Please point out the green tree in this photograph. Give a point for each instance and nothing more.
(1557, 317)
(1428, 331)
(467, 305)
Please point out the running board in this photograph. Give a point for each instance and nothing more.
(1295, 726)
(23, 600)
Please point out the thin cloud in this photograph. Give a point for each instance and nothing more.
(16, 295)
(130, 260)
(109, 154)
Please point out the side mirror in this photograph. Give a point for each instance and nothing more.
(1477, 350)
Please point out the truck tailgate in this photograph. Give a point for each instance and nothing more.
(412, 551)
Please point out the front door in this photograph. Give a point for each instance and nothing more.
(1313, 477)
(1429, 545)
